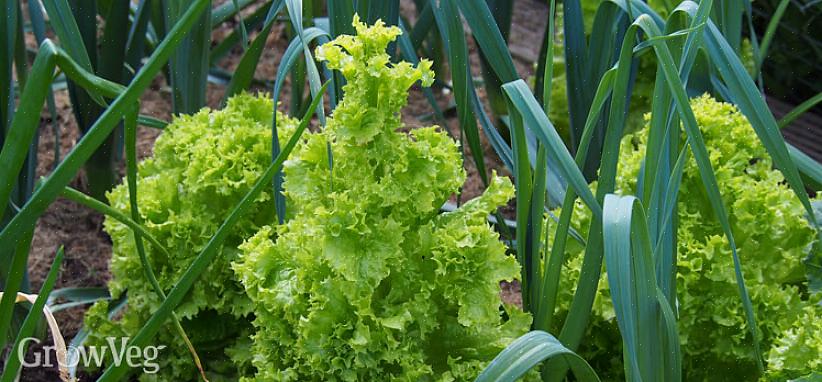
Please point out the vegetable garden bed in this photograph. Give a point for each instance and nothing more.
(286, 296)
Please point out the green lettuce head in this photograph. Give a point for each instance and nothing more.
(366, 281)
(773, 237)
(203, 165)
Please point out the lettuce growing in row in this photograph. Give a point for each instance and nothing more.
(366, 281)
(773, 236)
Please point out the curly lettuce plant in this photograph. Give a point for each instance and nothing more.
(773, 236)
(366, 281)
(203, 164)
